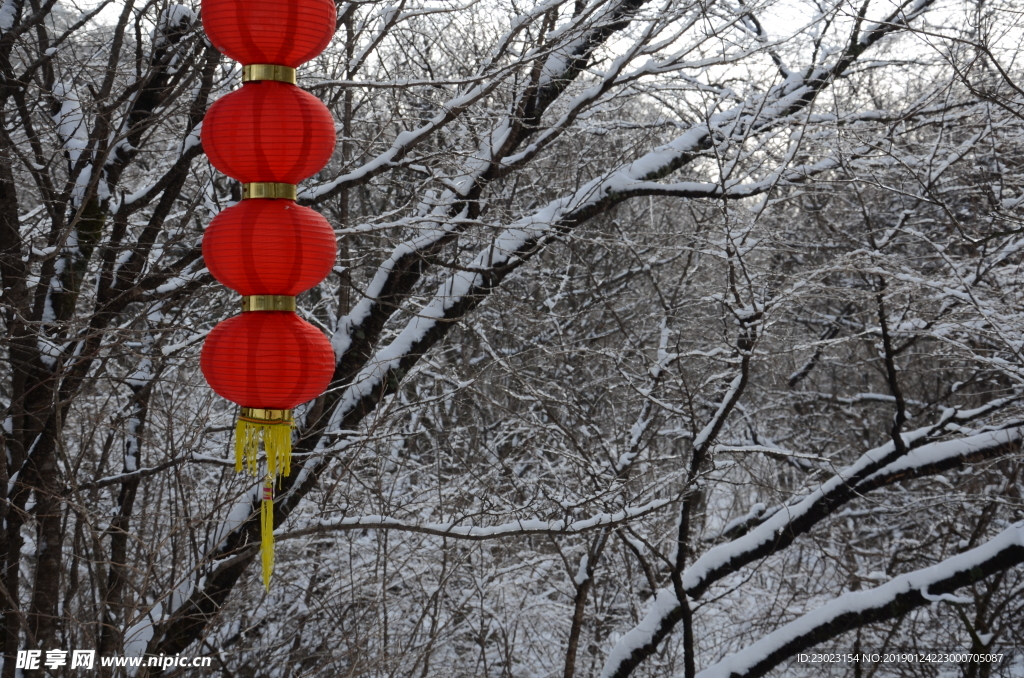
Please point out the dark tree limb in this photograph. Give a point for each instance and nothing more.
(888, 601)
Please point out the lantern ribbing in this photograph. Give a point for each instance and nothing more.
(268, 131)
(266, 32)
(269, 247)
(269, 135)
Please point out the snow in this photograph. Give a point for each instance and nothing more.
(556, 65)
(636, 176)
(171, 19)
(524, 526)
(555, 68)
(137, 637)
(8, 13)
(477, 89)
(755, 512)
(403, 142)
(581, 573)
(192, 139)
(239, 513)
(640, 635)
(719, 556)
(82, 182)
(390, 357)
(49, 351)
(192, 340)
(342, 339)
(132, 198)
(70, 120)
(142, 375)
(503, 249)
(131, 454)
(664, 357)
(180, 281)
(705, 434)
(904, 16)
(945, 598)
(31, 213)
(635, 432)
(713, 561)
(122, 259)
(934, 453)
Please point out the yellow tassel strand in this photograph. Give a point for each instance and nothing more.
(274, 432)
(247, 447)
(277, 441)
(271, 429)
(267, 531)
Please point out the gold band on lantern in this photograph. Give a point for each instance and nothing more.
(266, 189)
(268, 302)
(257, 72)
(256, 415)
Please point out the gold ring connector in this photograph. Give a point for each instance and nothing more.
(268, 302)
(261, 416)
(266, 189)
(257, 72)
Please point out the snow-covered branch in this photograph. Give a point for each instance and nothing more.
(858, 608)
(524, 527)
(780, 527)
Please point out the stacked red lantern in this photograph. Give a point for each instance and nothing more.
(269, 135)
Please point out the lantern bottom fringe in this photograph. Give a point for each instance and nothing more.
(277, 442)
(267, 532)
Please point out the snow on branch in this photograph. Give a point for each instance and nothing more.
(780, 527)
(784, 524)
(461, 292)
(448, 214)
(9, 12)
(938, 457)
(518, 242)
(451, 109)
(402, 144)
(464, 289)
(858, 608)
(478, 533)
(638, 178)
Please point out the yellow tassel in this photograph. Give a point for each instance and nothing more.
(270, 445)
(271, 429)
(276, 439)
(247, 446)
(267, 532)
(239, 445)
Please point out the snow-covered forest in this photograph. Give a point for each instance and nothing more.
(673, 338)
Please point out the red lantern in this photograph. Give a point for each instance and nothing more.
(269, 135)
(286, 32)
(269, 247)
(268, 132)
(269, 360)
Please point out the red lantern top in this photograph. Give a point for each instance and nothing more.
(269, 247)
(267, 359)
(284, 32)
(268, 132)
